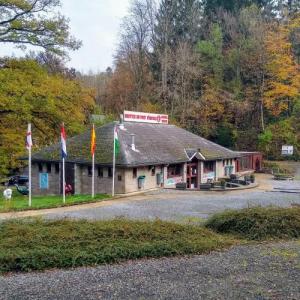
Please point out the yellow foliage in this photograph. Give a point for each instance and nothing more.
(283, 81)
(29, 94)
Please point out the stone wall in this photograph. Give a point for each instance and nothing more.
(103, 184)
(124, 179)
(53, 180)
(83, 181)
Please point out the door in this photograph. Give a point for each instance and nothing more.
(70, 176)
(192, 175)
(257, 165)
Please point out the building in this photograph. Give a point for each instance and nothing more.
(151, 156)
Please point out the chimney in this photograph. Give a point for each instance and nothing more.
(121, 123)
(132, 141)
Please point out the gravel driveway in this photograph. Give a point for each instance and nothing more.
(179, 206)
(184, 205)
(244, 272)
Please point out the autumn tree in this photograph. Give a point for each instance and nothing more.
(283, 84)
(35, 23)
(227, 70)
(213, 6)
(135, 41)
(98, 82)
(28, 93)
(212, 108)
(177, 24)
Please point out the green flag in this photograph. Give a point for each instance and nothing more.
(116, 142)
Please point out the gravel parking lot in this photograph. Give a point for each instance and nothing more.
(266, 271)
(180, 206)
(244, 272)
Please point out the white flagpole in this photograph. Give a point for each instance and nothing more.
(93, 165)
(114, 166)
(64, 180)
(29, 169)
(93, 176)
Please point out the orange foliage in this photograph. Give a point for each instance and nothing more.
(120, 89)
(283, 83)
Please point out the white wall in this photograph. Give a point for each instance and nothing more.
(220, 168)
(131, 184)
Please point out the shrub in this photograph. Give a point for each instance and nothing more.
(37, 244)
(258, 223)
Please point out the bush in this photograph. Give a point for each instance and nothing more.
(37, 244)
(275, 167)
(258, 223)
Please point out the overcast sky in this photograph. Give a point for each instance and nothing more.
(97, 24)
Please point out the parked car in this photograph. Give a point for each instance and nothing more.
(17, 179)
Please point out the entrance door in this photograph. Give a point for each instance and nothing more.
(70, 176)
(192, 175)
(257, 165)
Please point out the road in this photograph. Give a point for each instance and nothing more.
(180, 206)
(262, 272)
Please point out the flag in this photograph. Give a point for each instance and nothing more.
(63, 142)
(116, 142)
(28, 137)
(93, 141)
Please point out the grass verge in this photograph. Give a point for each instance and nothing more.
(20, 203)
(258, 223)
(36, 244)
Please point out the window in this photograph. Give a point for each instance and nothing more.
(119, 177)
(174, 170)
(153, 171)
(56, 168)
(109, 172)
(40, 167)
(134, 172)
(90, 172)
(48, 168)
(208, 166)
(223, 162)
(100, 172)
(230, 161)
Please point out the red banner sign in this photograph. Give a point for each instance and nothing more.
(133, 116)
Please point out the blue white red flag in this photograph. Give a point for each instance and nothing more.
(63, 142)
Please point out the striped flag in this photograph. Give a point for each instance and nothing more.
(28, 138)
(93, 141)
(63, 142)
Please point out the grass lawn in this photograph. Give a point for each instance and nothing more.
(37, 244)
(20, 202)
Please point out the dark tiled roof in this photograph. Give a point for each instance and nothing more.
(155, 144)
